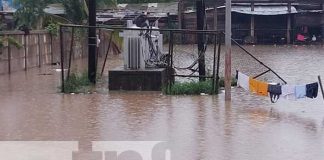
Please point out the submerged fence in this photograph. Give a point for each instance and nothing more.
(172, 38)
(38, 48)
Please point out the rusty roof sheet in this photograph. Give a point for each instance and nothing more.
(264, 10)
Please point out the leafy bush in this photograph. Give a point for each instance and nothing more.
(52, 28)
(194, 88)
(4, 41)
(77, 83)
(190, 88)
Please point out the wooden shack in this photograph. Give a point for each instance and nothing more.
(264, 21)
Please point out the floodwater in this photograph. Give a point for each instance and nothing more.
(192, 127)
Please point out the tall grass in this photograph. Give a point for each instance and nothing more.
(77, 83)
(194, 88)
(189, 88)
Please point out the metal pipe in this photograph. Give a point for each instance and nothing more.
(97, 52)
(9, 59)
(191, 76)
(218, 61)
(171, 48)
(142, 29)
(62, 58)
(258, 60)
(170, 61)
(259, 75)
(321, 85)
(214, 65)
(39, 52)
(25, 45)
(104, 64)
(70, 55)
(51, 49)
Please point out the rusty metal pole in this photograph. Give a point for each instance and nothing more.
(71, 53)
(228, 57)
(9, 59)
(98, 49)
(321, 85)
(214, 65)
(39, 51)
(218, 61)
(25, 51)
(62, 59)
(51, 48)
(108, 49)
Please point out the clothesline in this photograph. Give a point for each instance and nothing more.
(275, 91)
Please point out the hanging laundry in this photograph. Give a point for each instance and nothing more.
(275, 92)
(312, 90)
(258, 87)
(243, 81)
(300, 91)
(288, 91)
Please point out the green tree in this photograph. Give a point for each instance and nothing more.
(75, 11)
(30, 12)
(106, 3)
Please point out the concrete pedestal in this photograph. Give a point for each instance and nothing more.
(138, 80)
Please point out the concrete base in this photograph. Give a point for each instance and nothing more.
(138, 80)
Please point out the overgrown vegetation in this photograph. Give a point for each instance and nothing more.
(52, 28)
(77, 83)
(194, 88)
(76, 11)
(30, 12)
(189, 88)
(4, 41)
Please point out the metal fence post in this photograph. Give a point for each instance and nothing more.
(25, 47)
(62, 58)
(9, 59)
(39, 51)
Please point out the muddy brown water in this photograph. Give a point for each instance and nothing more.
(194, 127)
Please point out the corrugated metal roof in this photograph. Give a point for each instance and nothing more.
(161, 8)
(310, 11)
(55, 9)
(158, 8)
(264, 10)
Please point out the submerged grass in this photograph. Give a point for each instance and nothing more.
(77, 83)
(194, 88)
(190, 88)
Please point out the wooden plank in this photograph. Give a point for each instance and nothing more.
(228, 57)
